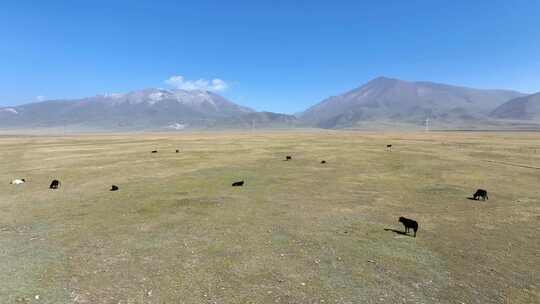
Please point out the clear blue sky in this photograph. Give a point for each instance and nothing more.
(273, 55)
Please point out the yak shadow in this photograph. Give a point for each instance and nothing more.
(397, 231)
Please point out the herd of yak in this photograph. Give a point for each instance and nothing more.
(408, 223)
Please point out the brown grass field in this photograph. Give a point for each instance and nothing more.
(297, 232)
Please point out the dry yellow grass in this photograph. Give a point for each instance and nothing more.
(297, 232)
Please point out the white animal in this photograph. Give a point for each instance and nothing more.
(18, 181)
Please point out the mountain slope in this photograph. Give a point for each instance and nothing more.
(386, 99)
(521, 108)
(144, 109)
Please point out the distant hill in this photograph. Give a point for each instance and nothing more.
(386, 99)
(153, 109)
(382, 103)
(521, 108)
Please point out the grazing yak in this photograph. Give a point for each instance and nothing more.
(154, 151)
(480, 193)
(288, 157)
(323, 162)
(409, 224)
(177, 151)
(55, 184)
(18, 181)
(388, 147)
(238, 184)
(114, 188)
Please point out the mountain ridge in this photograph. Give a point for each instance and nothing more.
(521, 108)
(385, 98)
(382, 100)
(149, 108)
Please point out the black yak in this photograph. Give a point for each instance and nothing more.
(238, 184)
(409, 224)
(288, 157)
(114, 188)
(323, 162)
(55, 184)
(480, 193)
(154, 151)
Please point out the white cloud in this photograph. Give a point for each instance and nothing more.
(40, 98)
(179, 82)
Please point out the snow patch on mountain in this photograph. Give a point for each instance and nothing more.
(177, 126)
(154, 97)
(9, 110)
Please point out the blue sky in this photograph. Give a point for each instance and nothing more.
(271, 55)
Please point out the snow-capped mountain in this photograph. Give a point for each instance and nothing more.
(144, 109)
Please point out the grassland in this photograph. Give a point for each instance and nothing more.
(297, 232)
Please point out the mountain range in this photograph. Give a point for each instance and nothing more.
(148, 109)
(381, 101)
(393, 100)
